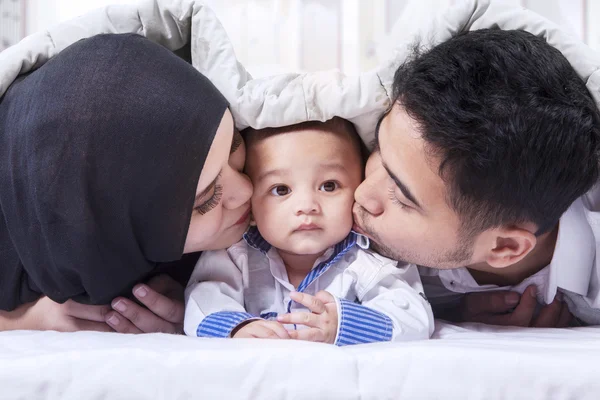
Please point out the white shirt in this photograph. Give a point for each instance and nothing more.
(377, 300)
(573, 271)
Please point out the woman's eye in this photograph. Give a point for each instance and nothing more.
(329, 186)
(281, 190)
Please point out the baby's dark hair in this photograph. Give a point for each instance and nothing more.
(335, 125)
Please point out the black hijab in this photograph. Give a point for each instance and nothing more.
(101, 150)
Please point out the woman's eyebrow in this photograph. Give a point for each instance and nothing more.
(237, 141)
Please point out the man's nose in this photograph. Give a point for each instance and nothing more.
(369, 194)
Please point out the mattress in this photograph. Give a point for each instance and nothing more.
(469, 361)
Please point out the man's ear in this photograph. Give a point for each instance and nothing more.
(510, 245)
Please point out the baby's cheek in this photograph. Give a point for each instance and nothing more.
(343, 213)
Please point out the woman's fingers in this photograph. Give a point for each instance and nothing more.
(143, 319)
(167, 308)
(86, 311)
(86, 325)
(121, 324)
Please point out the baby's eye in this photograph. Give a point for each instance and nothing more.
(329, 186)
(281, 190)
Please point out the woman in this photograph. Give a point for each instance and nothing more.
(114, 160)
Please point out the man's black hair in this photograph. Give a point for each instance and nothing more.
(516, 131)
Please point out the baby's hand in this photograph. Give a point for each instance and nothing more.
(322, 321)
(262, 330)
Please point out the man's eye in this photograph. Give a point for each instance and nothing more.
(281, 190)
(329, 186)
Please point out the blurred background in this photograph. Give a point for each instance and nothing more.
(273, 36)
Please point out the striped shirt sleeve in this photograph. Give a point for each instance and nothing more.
(359, 324)
(220, 324)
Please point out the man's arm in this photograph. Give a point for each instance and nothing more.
(509, 309)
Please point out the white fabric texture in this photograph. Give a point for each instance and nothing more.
(463, 363)
(224, 281)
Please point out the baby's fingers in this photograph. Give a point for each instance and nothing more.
(311, 302)
(300, 318)
(278, 329)
(309, 334)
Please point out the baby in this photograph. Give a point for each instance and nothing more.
(301, 272)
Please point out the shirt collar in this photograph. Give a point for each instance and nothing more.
(255, 240)
(573, 260)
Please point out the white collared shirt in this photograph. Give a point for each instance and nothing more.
(377, 300)
(573, 270)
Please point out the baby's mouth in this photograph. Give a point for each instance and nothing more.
(307, 227)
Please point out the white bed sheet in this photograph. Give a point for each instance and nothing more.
(470, 361)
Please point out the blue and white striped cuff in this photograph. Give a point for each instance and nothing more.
(220, 324)
(359, 324)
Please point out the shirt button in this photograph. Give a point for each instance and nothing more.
(451, 283)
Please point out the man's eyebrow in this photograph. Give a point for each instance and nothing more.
(375, 142)
(237, 141)
(403, 188)
(203, 193)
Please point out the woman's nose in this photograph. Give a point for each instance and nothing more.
(238, 191)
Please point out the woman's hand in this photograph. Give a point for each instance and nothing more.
(163, 311)
(45, 314)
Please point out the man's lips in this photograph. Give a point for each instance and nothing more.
(356, 227)
(243, 218)
(307, 227)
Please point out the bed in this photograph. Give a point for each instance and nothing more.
(469, 361)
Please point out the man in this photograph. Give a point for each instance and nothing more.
(492, 137)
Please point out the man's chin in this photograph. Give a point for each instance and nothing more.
(383, 250)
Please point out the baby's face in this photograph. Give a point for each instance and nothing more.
(304, 184)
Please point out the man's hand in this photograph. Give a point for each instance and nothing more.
(261, 329)
(163, 311)
(45, 314)
(496, 308)
(322, 321)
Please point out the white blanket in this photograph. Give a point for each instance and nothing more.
(468, 362)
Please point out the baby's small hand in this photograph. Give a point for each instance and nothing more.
(322, 321)
(262, 330)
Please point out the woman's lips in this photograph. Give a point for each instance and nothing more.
(244, 217)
